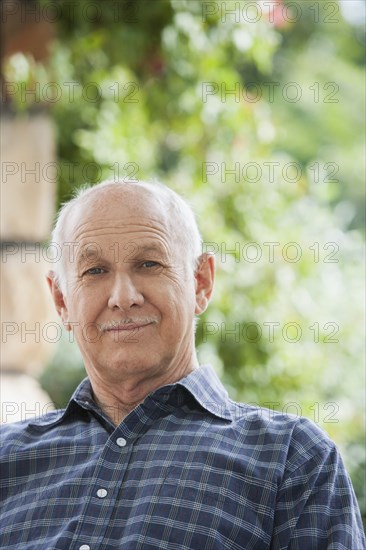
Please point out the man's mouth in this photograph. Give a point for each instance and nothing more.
(120, 326)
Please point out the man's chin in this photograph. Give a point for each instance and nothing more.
(124, 364)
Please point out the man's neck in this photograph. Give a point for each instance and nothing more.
(117, 400)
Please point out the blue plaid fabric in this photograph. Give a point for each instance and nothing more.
(186, 469)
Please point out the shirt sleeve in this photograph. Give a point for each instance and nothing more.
(316, 506)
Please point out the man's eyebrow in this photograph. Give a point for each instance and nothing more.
(89, 255)
(84, 259)
(143, 249)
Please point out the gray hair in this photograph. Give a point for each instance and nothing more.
(188, 237)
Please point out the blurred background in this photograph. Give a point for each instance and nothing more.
(252, 110)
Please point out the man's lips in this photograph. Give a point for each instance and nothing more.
(127, 325)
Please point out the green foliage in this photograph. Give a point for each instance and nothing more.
(65, 373)
(151, 117)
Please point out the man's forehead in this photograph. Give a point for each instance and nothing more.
(117, 213)
(99, 225)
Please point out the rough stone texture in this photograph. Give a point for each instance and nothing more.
(26, 305)
(22, 398)
(27, 208)
(27, 199)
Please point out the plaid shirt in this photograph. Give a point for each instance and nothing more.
(186, 469)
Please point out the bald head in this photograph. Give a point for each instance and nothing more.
(123, 203)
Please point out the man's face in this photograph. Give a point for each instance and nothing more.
(130, 291)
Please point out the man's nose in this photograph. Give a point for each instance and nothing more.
(124, 294)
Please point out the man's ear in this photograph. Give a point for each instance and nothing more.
(204, 276)
(58, 299)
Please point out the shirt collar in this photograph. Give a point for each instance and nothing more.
(80, 401)
(206, 387)
(202, 383)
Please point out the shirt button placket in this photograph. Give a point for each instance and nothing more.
(102, 493)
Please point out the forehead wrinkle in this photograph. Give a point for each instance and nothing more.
(147, 247)
(118, 225)
(89, 238)
(121, 230)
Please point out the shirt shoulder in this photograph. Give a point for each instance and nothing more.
(31, 429)
(19, 433)
(299, 437)
(280, 439)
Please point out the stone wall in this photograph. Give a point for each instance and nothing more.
(28, 188)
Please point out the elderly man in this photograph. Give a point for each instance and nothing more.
(150, 452)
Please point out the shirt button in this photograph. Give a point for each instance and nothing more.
(121, 442)
(84, 547)
(101, 493)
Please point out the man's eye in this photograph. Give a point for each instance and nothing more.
(94, 271)
(150, 264)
